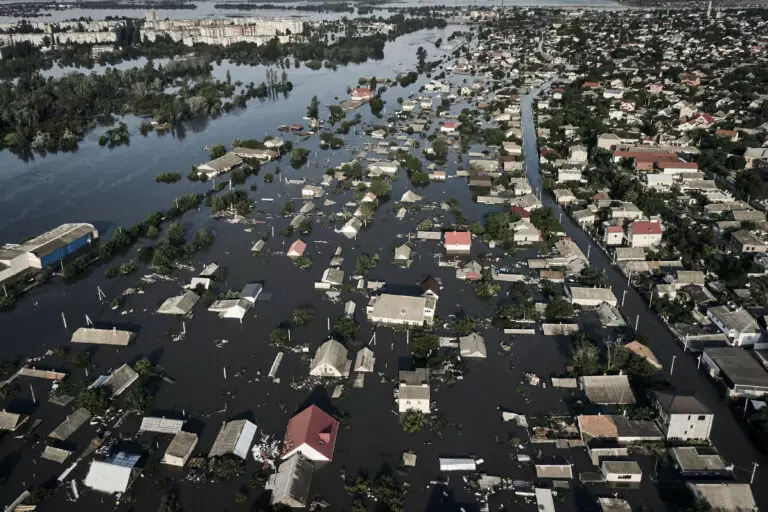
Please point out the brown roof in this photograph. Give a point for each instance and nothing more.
(599, 426)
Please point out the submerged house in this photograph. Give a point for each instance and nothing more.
(311, 433)
(330, 360)
(291, 482)
(234, 438)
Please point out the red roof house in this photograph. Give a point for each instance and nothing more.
(646, 228)
(522, 212)
(362, 93)
(448, 126)
(297, 249)
(458, 241)
(312, 432)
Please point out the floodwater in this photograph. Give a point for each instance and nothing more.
(116, 187)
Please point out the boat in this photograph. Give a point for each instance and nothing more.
(283, 128)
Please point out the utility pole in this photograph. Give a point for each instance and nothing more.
(623, 296)
(672, 368)
(755, 465)
(589, 249)
(650, 301)
(637, 322)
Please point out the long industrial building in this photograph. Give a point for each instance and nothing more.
(44, 250)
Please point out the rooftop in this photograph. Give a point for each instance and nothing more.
(608, 389)
(314, 428)
(673, 403)
(56, 238)
(741, 368)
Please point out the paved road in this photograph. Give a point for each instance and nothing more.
(727, 434)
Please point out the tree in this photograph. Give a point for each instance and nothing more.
(81, 359)
(380, 187)
(313, 111)
(423, 344)
(170, 502)
(749, 185)
(346, 328)
(558, 309)
(464, 325)
(144, 367)
(96, 400)
(217, 150)
(586, 357)
(138, 401)
(440, 148)
(302, 316)
(227, 467)
(337, 114)
(414, 421)
(279, 337)
(389, 493)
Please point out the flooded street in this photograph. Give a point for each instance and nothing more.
(116, 188)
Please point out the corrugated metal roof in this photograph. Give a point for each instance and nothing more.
(161, 425)
(73, 422)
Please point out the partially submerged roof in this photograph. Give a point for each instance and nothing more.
(179, 305)
(643, 351)
(608, 389)
(557, 471)
(55, 454)
(234, 437)
(472, 345)
(120, 379)
(181, 445)
(625, 467)
(616, 426)
(614, 505)
(10, 420)
(291, 483)
(73, 422)
(109, 478)
(102, 336)
(365, 360)
(698, 459)
(161, 425)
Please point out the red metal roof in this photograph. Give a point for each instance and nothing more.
(449, 124)
(362, 91)
(522, 212)
(615, 229)
(678, 165)
(646, 228)
(298, 247)
(458, 238)
(312, 427)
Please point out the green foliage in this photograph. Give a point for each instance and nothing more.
(559, 309)
(269, 177)
(279, 337)
(592, 277)
(464, 325)
(377, 104)
(337, 114)
(138, 401)
(389, 493)
(544, 219)
(380, 187)
(749, 184)
(440, 149)
(288, 208)
(298, 157)
(425, 225)
(144, 367)
(346, 328)
(302, 316)
(168, 177)
(96, 400)
(313, 111)
(81, 359)
(414, 421)
(217, 151)
(303, 262)
(586, 357)
(423, 344)
(153, 232)
(365, 263)
(227, 467)
(497, 227)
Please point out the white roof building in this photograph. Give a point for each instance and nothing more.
(472, 345)
(234, 437)
(109, 478)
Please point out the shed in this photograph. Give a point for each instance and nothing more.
(55, 454)
(699, 461)
(251, 292)
(161, 425)
(544, 501)
(179, 305)
(365, 360)
(73, 422)
(621, 471)
(180, 449)
(457, 464)
(614, 505)
(234, 438)
(403, 253)
(555, 471)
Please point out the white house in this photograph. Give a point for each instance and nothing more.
(683, 417)
(351, 228)
(578, 154)
(622, 471)
(401, 309)
(413, 391)
(737, 324)
(614, 235)
(644, 234)
(458, 242)
(570, 174)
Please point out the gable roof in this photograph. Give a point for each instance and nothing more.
(312, 427)
(458, 238)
